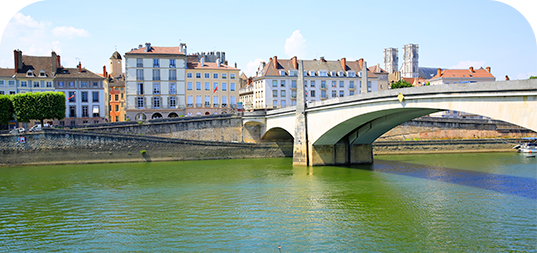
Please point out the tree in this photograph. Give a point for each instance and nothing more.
(6, 109)
(39, 106)
(533, 77)
(401, 84)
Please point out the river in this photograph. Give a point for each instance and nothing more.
(483, 202)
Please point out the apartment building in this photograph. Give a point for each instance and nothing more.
(115, 90)
(211, 88)
(8, 83)
(454, 76)
(35, 73)
(155, 82)
(274, 85)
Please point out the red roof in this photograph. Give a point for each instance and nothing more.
(464, 73)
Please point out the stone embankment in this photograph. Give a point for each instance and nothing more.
(71, 147)
(444, 146)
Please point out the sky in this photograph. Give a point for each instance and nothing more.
(450, 34)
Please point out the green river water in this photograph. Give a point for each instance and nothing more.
(413, 203)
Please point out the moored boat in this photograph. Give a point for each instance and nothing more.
(528, 145)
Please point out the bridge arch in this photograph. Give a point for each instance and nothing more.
(277, 134)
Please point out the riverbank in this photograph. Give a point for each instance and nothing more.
(444, 146)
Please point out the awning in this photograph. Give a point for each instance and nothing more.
(95, 109)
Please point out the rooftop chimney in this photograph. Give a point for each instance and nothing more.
(54, 62)
(140, 46)
(235, 65)
(361, 63)
(322, 59)
(79, 67)
(364, 77)
(202, 61)
(472, 69)
(105, 74)
(488, 69)
(275, 62)
(147, 47)
(59, 64)
(344, 63)
(182, 48)
(218, 62)
(439, 72)
(295, 62)
(18, 59)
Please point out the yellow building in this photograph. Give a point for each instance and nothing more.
(211, 88)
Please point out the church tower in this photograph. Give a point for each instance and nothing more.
(391, 59)
(116, 68)
(410, 61)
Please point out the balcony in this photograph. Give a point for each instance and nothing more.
(207, 104)
(198, 104)
(189, 105)
(247, 89)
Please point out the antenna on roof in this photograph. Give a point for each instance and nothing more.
(116, 47)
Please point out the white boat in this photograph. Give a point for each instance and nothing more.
(529, 145)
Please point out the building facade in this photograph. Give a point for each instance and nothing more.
(211, 88)
(155, 82)
(115, 90)
(8, 83)
(35, 73)
(454, 76)
(274, 85)
(410, 67)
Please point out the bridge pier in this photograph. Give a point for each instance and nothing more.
(341, 153)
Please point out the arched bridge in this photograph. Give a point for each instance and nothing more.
(341, 130)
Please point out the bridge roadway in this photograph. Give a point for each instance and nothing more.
(341, 130)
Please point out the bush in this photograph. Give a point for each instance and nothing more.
(6, 109)
(401, 84)
(142, 152)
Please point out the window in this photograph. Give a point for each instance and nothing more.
(2, 84)
(215, 75)
(351, 92)
(2, 92)
(351, 84)
(72, 97)
(224, 86)
(341, 84)
(323, 73)
(96, 113)
(11, 92)
(198, 85)
(11, 83)
(156, 88)
(117, 108)
(71, 84)
(334, 93)
(95, 96)
(140, 102)
(173, 88)
(173, 102)
(215, 101)
(333, 84)
(282, 93)
(95, 84)
(85, 111)
(293, 84)
(283, 103)
(207, 75)
(140, 90)
(84, 96)
(189, 102)
(189, 86)
(139, 74)
(312, 83)
(351, 74)
(274, 93)
(224, 101)
(173, 74)
(23, 84)
(139, 63)
(84, 84)
(312, 93)
(72, 112)
(232, 101)
(323, 84)
(188, 75)
(293, 72)
(36, 84)
(323, 94)
(275, 103)
(207, 101)
(312, 73)
(156, 63)
(207, 86)
(156, 74)
(198, 75)
(224, 76)
(121, 95)
(172, 63)
(232, 86)
(293, 94)
(274, 83)
(282, 83)
(215, 87)
(116, 97)
(341, 93)
(156, 102)
(198, 101)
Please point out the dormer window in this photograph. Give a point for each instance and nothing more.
(305, 73)
(29, 73)
(312, 73)
(340, 73)
(323, 73)
(282, 72)
(360, 74)
(351, 74)
(42, 73)
(293, 72)
(332, 73)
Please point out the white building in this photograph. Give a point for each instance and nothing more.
(155, 82)
(274, 85)
(8, 83)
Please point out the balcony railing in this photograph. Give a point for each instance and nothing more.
(247, 89)
(198, 104)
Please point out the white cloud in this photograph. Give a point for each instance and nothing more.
(251, 67)
(523, 76)
(467, 64)
(70, 32)
(296, 46)
(20, 19)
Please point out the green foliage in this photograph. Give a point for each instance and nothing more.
(6, 109)
(401, 84)
(428, 84)
(533, 77)
(39, 106)
(142, 152)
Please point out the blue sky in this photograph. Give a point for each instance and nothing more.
(450, 34)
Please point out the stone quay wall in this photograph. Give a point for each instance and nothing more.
(72, 147)
(444, 146)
